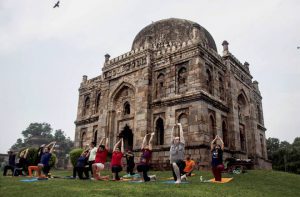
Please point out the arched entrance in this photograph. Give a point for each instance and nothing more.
(127, 136)
(159, 132)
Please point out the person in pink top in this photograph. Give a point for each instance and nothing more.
(116, 165)
(100, 160)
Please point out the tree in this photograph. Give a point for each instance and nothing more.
(272, 146)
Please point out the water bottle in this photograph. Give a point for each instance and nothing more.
(201, 179)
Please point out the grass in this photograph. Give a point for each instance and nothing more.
(252, 183)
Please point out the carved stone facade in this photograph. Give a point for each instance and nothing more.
(174, 74)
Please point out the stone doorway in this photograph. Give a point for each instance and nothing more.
(127, 136)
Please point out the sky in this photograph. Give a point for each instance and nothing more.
(44, 52)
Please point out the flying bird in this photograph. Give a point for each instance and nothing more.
(56, 5)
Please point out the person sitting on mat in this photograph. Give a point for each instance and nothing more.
(143, 166)
(217, 158)
(177, 154)
(116, 160)
(100, 160)
(11, 162)
(44, 164)
(189, 167)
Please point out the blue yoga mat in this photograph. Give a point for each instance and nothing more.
(29, 180)
(173, 182)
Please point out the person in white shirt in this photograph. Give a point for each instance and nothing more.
(92, 156)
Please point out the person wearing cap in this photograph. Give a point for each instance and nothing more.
(11, 162)
(177, 154)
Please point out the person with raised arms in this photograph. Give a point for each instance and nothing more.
(177, 154)
(217, 158)
(92, 155)
(116, 165)
(143, 166)
(100, 159)
(45, 158)
(80, 166)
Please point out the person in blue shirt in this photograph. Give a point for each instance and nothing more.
(82, 166)
(45, 158)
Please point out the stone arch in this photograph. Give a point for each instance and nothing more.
(127, 136)
(242, 105)
(212, 126)
(160, 86)
(126, 108)
(95, 137)
(225, 133)
(97, 102)
(82, 139)
(159, 131)
(182, 79)
(119, 88)
(184, 120)
(86, 105)
(209, 80)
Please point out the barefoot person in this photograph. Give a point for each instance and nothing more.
(177, 154)
(116, 165)
(100, 159)
(44, 164)
(143, 166)
(130, 163)
(217, 158)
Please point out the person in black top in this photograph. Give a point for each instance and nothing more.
(11, 162)
(217, 158)
(22, 164)
(34, 167)
(130, 162)
(80, 167)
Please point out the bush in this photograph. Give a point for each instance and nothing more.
(74, 155)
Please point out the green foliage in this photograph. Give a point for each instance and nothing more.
(75, 154)
(285, 156)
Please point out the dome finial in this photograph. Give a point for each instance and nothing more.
(225, 48)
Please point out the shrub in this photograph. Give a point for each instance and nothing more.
(74, 155)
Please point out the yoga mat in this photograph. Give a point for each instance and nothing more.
(224, 180)
(29, 180)
(173, 182)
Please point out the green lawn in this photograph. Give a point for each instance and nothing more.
(253, 183)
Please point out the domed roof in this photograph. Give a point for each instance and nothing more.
(173, 30)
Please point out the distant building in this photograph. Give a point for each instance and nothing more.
(174, 73)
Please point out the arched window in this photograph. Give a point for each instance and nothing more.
(259, 117)
(97, 103)
(86, 106)
(225, 134)
(182, 80)
(242, 138)
(126, 108)
(212, 126)
(160, 89)
(95, 137)
(159, 131)
(82, 139)
(209, 82)
(183, 119)
(221, 88)
(241, 100)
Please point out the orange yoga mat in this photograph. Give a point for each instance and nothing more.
(224, 180)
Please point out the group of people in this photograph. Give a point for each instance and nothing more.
(41, 163)
(93, 159)
(96, 157)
